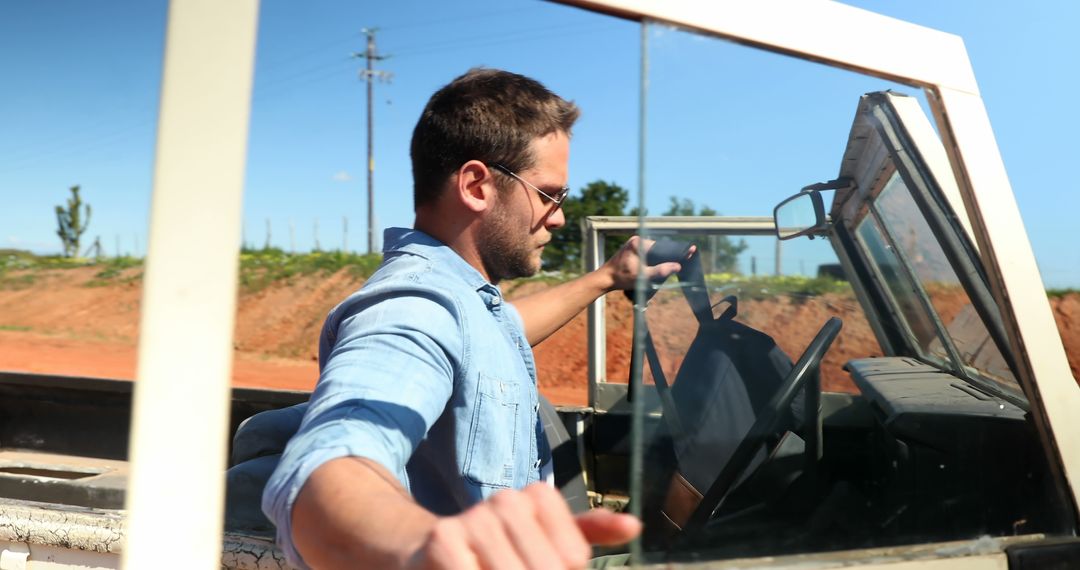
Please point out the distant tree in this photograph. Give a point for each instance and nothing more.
(597, 198)
(677, 207)
(71, 223)
(600, 198)
(686, 207)
(719, 254)
(680, 207)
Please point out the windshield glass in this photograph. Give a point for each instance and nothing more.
(889, 272)
(788, 303)
(966, 336)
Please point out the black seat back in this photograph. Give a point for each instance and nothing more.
(729, 374)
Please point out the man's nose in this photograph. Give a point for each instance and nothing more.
(556, 219)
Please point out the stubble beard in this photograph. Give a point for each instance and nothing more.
(505, 247)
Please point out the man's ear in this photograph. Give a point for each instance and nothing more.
(474, 186)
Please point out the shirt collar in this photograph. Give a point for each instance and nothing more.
(418, 243)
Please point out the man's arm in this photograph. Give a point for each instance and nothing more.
(353, 509)
(353, 512)
(545, 312)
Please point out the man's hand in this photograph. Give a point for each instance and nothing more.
(527, 529)
(624, 265)
(545, 311)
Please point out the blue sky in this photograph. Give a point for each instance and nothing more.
(729, 127)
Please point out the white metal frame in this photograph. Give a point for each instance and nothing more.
(175, 495)
(611, 396)
(180, 415)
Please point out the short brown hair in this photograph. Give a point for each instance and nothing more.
(488, 115)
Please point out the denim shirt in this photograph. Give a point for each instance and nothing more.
(425, 370)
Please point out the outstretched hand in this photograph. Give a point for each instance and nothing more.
(527, 529)
(544, 312)
(624, 265)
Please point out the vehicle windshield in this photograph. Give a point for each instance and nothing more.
(843, 389)
(902, 247)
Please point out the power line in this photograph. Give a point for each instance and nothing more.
(488, 14)
(86, 145)
(283, 85)
(337, 65)
(307, 51)
(508, 37)
(313, 49)
(19, 141)
(84, 139)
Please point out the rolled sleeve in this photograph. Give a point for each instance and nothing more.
(387, 379)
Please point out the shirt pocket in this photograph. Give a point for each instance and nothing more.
(490, 459)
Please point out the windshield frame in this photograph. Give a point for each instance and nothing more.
(907, 154)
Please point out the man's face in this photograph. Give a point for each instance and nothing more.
(519, 226)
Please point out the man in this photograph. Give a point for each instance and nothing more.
(422, 447)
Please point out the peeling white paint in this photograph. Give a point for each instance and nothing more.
(13, 556)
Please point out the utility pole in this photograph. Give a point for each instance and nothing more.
(369, 75)
(778, 267)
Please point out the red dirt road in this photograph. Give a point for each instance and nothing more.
(30, 352)
(65, 323)
(43, 354)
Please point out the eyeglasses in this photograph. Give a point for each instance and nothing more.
(557, 199)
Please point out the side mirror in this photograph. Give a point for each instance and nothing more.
(800, 215)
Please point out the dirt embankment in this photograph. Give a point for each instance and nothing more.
(67, 322)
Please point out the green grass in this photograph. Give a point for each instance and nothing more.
(16, 282)
(766, 286)
(796, 287)
(14, 328)
(7, 253)
(110, 271)
(113, 266)
(260, 268)
(13, 260)
(19, 269)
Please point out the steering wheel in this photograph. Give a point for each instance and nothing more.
(768, 422)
